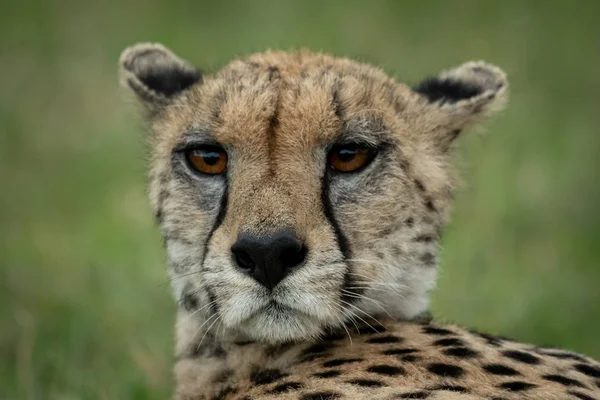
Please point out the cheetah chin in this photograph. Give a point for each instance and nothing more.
(302, 199)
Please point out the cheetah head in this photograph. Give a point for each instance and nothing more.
(297, 192)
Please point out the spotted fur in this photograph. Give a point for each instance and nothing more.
(351, 321)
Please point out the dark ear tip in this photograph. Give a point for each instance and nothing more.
(465, 82)
(155, 73)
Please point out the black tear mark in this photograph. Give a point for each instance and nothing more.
(563, 380)
(517, 386)
(365, 382)
(499, 369)
(410, 222)
(588, 370)
(449, 342)
(327, 374)
(461, 352)
(522, 356)
(321, 396)
(265, 376)
(286, 387)
(340, 361)
(389, 370)
(446, 370)
(385, 339)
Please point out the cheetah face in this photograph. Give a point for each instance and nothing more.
(296, 192)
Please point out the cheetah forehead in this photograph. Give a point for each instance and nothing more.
(308, 93)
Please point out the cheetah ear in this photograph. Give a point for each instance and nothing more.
(463, 96)
(156, 75)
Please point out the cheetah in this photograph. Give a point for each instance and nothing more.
(301, 199)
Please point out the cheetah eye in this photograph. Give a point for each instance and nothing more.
(211, 160)
(350, 158)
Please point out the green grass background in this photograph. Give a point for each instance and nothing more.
(84, 311)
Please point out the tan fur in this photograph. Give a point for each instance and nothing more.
(276, 115)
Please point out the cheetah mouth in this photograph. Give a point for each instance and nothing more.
(278, 322)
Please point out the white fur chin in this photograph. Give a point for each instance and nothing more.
(281, 325)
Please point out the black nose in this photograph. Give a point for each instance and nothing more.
(268, 258)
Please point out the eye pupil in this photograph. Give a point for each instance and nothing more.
(346, 155)
(211, 158)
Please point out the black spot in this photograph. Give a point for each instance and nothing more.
(580, 395)
(588, 370)
(243, 343)
(563, 356)
(432, 330)
(424, 238)
(491, 340)
(317, 348)
(460, 352)
(366, 383)
(446, 370)
(327, 374)
(413, 395)
(391, 352)
(563, 380)
(321, 396)
(370, 329)
(428, 258)
(409, 222)
(522, 356)
(429, 205)
(449, 342)
(516, 386)
(264, 376)
(447, 89)
(386, 370)
(419, 185)
(189, 302)
(340, 361)
(451, 388)
(384, 339)
(598, 384)
(287, 386)
(410, 358)
(499, 369)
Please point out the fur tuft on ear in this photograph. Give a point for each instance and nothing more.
(156, 75)
(463, 96)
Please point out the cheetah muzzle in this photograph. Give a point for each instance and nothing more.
(301, 199)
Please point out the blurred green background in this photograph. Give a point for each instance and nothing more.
(84, 309)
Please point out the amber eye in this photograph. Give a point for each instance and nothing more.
(210, 160)
(350, 158)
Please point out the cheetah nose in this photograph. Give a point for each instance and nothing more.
(268, 258)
